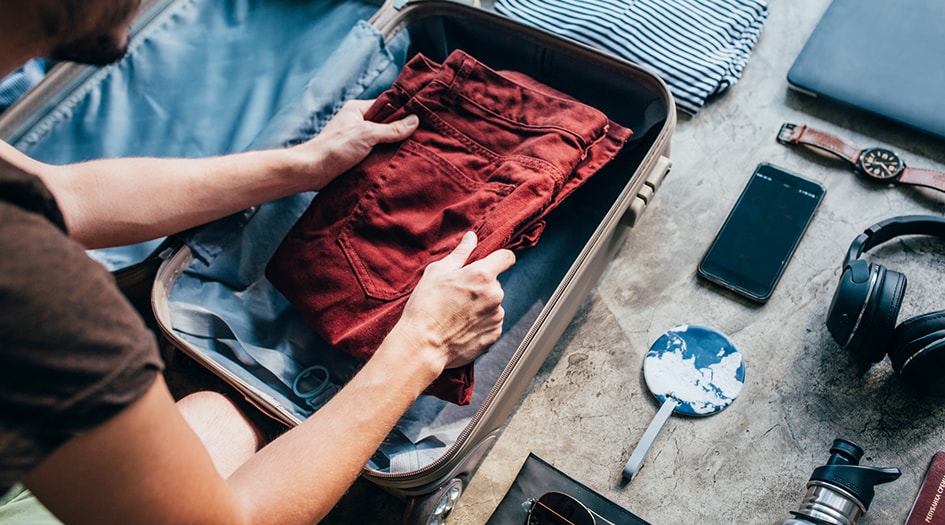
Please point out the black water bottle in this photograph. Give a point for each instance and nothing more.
(841, 491)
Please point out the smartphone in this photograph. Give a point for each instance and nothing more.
(761, 232)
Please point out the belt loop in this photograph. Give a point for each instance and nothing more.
(459, 78)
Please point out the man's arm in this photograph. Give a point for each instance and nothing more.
(124, 201)
(146, 465)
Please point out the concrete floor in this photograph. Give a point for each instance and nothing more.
(749, 463)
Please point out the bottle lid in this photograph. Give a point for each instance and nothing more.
(843, 470)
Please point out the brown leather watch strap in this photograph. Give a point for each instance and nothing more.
(923, 177)
(802, 134)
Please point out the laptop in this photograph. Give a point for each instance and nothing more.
(886, 57)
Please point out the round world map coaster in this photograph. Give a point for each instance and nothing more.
(698, 367)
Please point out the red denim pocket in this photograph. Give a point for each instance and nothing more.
(395, 231)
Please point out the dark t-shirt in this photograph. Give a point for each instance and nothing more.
(73, 351)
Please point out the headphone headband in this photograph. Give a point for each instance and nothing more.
(865, 308)
(895, 227)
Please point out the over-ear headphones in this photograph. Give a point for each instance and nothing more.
(863, 312)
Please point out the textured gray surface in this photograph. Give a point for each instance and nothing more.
(588, 406)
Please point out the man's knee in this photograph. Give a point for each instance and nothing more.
(226, 432)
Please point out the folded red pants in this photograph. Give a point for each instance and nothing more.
(494, 153)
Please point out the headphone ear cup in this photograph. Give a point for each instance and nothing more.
(875, 333)
(849, 301)
(918, 352)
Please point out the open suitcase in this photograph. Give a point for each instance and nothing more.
(206, 78)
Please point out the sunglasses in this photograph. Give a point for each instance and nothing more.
(558, 508)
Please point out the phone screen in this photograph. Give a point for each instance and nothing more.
(758, 238)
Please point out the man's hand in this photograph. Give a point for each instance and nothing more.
(456, 308)
(347, 139)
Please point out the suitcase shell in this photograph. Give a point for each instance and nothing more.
(629, 94)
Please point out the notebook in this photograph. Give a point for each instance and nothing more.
(886, 57)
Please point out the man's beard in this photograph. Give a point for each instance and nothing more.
(100, 50)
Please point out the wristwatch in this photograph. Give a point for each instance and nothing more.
(878, 163)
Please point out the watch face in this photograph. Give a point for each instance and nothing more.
(881, 163)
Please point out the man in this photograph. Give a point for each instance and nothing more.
(86, 420)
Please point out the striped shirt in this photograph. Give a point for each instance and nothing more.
(698, 47)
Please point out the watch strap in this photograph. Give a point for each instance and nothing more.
(807, 136)
(922, 177)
